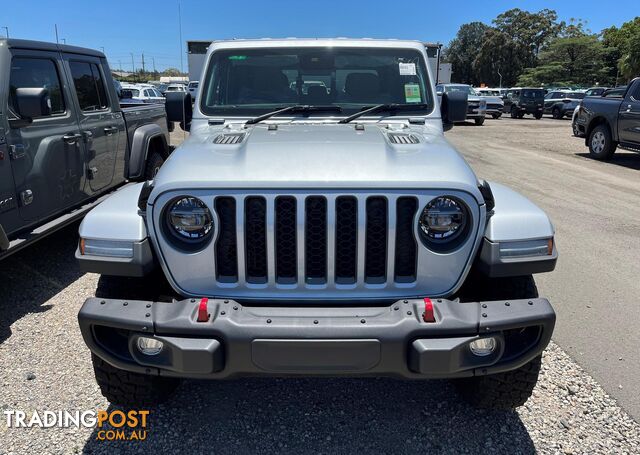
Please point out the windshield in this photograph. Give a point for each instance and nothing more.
(251, 82)
(575, 95)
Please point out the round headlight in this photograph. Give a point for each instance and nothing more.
(189, 219)
(443, 220)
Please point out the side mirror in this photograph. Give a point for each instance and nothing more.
(178, 106)
(453, 108)
(33, 102)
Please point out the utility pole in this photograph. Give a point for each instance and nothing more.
(143, 62)
(153, 59)
(7, 29)
(180, 29)
(133, 66)
(120, 65)
(102, 47)
(64, 40)
(56, 27)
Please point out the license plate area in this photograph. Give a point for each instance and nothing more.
(315, 356)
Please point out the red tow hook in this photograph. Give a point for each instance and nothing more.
(203, 311)
(428, 315)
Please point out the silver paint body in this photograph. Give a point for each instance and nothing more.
(316, 156)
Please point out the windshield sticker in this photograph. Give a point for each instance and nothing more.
(407, 69)
(237, 57)
(412, 93)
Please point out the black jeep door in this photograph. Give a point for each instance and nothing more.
(46, 155)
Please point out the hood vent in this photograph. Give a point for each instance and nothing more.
(229, 138)
(403, 138)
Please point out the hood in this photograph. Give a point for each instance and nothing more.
(312, 155)
(493, 99)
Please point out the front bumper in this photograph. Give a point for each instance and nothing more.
(393, 340)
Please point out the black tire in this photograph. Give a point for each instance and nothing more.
(538, 115)
(601, 145)
(575, 129)
(510, 389)
(556, 114)
(124, 388)
(520, 114)
(514, 112)
(496, 116)
(154, 162)
(479, 121)
(502, 391)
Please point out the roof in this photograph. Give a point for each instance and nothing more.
(316, 42)
(13, 43)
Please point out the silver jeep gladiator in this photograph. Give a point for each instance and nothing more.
(317, 222)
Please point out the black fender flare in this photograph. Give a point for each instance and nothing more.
(140, 144)
(595, 121)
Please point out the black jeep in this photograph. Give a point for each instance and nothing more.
(522, 100)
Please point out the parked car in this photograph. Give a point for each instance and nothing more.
(519, 101)
(477, 105)
(162, 88)
(176, 88)
(65, 139)
(611, 121)
(343, 238)
(146, 94)
(193, 89)
(495, 104)
(561, 103)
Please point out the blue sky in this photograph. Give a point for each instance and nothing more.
(152, 26)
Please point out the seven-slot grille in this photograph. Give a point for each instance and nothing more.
(316, 240)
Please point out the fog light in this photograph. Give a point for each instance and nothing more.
(150, 346)
(483, 346)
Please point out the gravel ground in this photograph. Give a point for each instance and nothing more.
(44, 365)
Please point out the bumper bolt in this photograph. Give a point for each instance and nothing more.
(315, 322)
(530, 302)
(484, 305)
(362, 321)
(484, 315)
(235, 307)
(405, 301)
(439, 300)
(268, 321)
(226, 301)
(507, 304)
(102, 302)
(395, 308)
(125, 304)
(193, 300)
(223, 313)
(148, 305)
(148, 315)
(409, 313)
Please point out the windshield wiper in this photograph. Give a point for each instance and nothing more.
(383, 107)
(294, 108)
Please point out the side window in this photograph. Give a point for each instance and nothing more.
(158, 94)
(27, 72)
(87, 79)
(148, 93)
(636, 92)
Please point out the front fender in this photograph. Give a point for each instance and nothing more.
(516, 226)
(113, 237)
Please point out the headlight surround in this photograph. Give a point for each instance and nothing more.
(188, 221)
(444, 223)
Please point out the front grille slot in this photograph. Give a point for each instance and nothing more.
(376, 240)
(294, 241)
(286, 240)
(406, 245)
(346, 239)
(255, 234)
(315, 245)
(226, 245)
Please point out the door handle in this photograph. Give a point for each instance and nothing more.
(110, 130)
(71, 138)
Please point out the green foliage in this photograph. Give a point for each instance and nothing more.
(534, 48)
(575, 59)
(462, 50)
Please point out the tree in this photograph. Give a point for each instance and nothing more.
(529, 31)
(462, 51)
(498, 56)
(575, 59)
(170, 72)
(621, 46)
